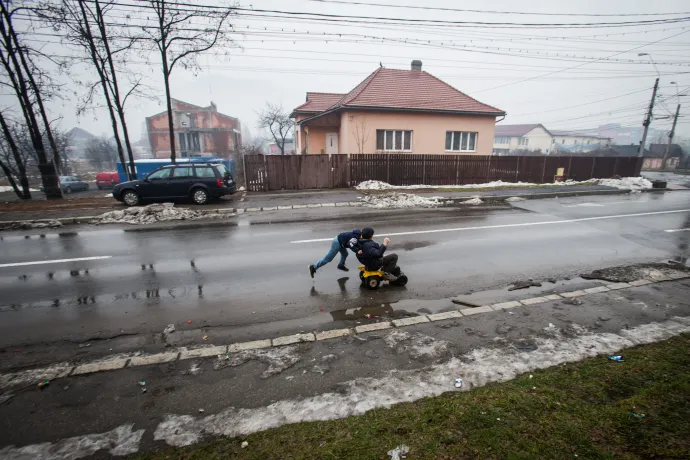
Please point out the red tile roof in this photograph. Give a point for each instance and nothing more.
(318, 102)
(412, 89)
(406, 90)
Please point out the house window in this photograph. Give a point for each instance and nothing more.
(524, 141)
(183, 143)
(458, 141)
(500, 140)
(393, 141)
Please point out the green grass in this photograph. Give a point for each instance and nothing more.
(584, 409)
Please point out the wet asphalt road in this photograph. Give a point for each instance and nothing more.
(255, 277)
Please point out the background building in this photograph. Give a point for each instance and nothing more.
(199, 131)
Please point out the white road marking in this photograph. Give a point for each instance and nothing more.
(525, 224)
(677, 230)
(56, 261)
(589, 204)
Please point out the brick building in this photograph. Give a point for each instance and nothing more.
(199, 131)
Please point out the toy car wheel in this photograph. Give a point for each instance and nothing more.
(361, 276)
(373, 282)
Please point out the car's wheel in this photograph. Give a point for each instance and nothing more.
(200, 196)
(373, 282)
(130, 198)
(68, 190)
(99, 187)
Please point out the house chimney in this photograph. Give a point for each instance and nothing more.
(416, 65)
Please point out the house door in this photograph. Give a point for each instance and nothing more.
(331, 143)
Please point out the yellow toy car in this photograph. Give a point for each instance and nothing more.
(372, 278)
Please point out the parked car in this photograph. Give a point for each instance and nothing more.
(200, 182)
(70, 184)
(107, 180)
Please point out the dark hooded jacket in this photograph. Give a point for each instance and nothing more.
(349, 239)
(371, 255)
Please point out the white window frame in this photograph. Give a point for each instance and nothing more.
(523, 141)
(462, 134)
(392, 148)
(502, 140)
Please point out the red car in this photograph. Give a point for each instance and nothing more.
(107, 180)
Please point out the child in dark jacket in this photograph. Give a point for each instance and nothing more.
(370, 253)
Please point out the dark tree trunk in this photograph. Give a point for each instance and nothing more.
(171, 126)
(21, 170)
(116, 91)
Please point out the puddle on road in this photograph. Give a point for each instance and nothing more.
(394, 310)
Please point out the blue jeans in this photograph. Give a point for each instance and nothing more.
(335, 248)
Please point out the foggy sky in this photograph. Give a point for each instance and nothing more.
(271, 66)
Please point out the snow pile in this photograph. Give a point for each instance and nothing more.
(513, 199)
(378, 185)
(152, 213)
(632, 183)
(401, 200)
(475, 200)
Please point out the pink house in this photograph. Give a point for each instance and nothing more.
(393, 110)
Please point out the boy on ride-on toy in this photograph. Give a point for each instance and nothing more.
(370, 254)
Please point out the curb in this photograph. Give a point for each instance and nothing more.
(136, 359)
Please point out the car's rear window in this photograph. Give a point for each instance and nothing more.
(224, 172)
(204, 172)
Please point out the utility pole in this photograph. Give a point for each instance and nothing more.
(670, 137)
(648, 119)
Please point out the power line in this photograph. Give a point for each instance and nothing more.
(388, 5)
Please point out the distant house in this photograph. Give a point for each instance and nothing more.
(78, 140)
(529, 138)
(654, 159)
(393, 110)
(199, 131)
(578, 142)
(535, 138)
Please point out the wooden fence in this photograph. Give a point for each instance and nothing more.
(296, 172)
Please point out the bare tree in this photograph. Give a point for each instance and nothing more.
(361, 132)
(30, 86)
(274, 119)
(179, 38)
(101, 153)
(85, 24)
(252, 146)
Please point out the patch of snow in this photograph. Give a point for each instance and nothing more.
(418, 346)
(399, 452)
(632, 183)
(514, 199)
(473, 201)
(401, 200)
(163, 212)
(8, 188)
(241, 189)
(278, 359)
(121, 441)
(478, 367)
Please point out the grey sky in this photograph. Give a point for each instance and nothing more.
(278, 61)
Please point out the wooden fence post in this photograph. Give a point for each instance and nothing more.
(567, 173)
(517, 169)
(244, 168)
(348, 173)
(457, 169)
(615, 166)
(266, 182)
(388, 168)
(424, 170)
(488, 170)
(594, 161)
(543, 171)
